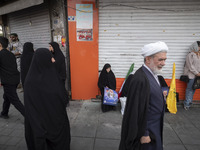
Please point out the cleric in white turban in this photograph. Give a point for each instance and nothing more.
(154, 48)
(142, 126)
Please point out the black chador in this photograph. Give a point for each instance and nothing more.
(60, 65)
(26, 59)
(60, 60)
(126, 86)
(46, 121)
(106, 79)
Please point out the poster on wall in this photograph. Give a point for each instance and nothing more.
(84, 22)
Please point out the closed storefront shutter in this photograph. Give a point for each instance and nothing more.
(125, 26)
(32, 25)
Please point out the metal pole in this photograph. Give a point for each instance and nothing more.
(68, 80)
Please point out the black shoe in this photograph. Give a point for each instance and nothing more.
(4, 116)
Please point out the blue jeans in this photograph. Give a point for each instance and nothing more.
(189, 93)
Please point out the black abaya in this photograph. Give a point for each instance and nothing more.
(26, 59)
(60, 60)
(60, 65)
(125, 88)
(109, 80)
(46, 121)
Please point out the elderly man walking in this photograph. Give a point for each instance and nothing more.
(142, 124)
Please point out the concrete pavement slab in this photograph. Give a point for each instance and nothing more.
(22, 144)
(13, 141)
(169, 135)
(193, 147)
(3, 140)
(79, 143)
(93, 130)
(108, 131)
(87, 117)
(174, 147)
(188, 134)
(106, 144)
(113, 117)
(84, 130)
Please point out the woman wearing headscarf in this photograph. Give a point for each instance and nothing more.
(59, 60)
(192, 69)
(46, 121)
(59, 63)
(26, 59)
(106, 79)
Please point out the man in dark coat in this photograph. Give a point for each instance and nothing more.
(142, 124)
(9, 79)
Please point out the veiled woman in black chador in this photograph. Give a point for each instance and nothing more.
(46, 121)
(59, 60)
(26, 59)
(59, 64)
(106, 79)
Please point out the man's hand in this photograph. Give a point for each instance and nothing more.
(198, 74)
(145, 139)
(53, 60)
(17, 54)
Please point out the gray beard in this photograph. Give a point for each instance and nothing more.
(156, 71)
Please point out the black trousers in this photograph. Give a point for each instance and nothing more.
(10, 97)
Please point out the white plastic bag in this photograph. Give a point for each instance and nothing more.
(123, 104)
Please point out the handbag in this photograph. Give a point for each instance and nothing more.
(110, 97)
(184, 78)
(196, 84)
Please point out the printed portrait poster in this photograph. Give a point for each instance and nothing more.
(84, 22)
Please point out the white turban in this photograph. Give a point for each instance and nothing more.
(154, 48)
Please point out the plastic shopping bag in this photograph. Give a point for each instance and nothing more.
(123, 104)
(110, 97)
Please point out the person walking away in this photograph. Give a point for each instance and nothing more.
(142, 125)
(9, 79)
(26, 59)
(106, 79)
(59, 64)
(191, 69)
(46, 121)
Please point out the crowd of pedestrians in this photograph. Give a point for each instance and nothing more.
(43, 74)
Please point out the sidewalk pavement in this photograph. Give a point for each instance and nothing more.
(93, 130)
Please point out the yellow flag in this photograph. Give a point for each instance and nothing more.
(171, 98)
